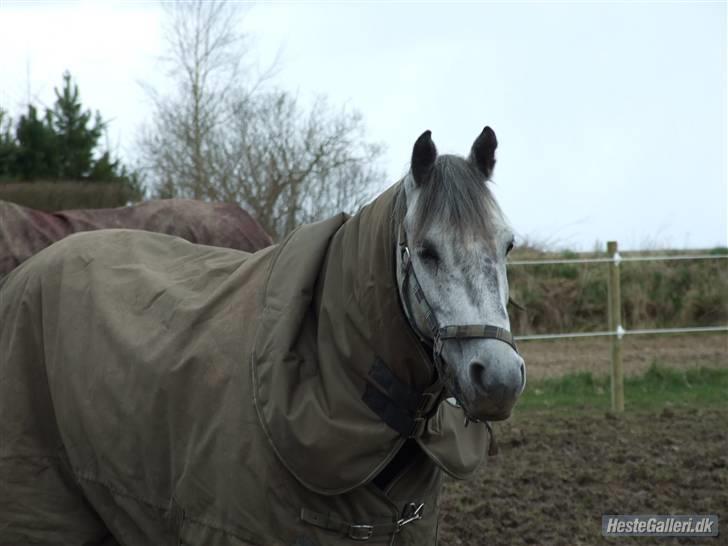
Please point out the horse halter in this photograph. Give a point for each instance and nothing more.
(440, 333)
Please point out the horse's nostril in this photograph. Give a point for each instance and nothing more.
(494, 380)
(477, 374)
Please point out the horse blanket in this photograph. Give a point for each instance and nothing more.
(154, 391)
(25, 231)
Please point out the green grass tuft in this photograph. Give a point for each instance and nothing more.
(656, 388)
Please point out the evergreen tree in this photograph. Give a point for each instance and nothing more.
(38, 155)
(8, 147)
(77, 140)
(61, 145)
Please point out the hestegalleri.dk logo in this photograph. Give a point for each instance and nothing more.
(626, 525)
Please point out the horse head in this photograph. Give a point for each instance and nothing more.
(451, 271)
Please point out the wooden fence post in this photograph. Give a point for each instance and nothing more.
(615, 325)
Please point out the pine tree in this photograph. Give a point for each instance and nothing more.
(76, 139)
(38, 155)
(62, 145)
(8, 147)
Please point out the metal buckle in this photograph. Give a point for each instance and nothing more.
(361, 532)
(411, 513)
(406, 259)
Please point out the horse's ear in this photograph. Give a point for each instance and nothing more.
(482, 154)
(424, 154)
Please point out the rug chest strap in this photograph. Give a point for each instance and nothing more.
(355, 531)
(410, 424)
(362, 531)
(396, 403)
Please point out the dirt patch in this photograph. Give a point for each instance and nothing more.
(557, 473)
(555, 358)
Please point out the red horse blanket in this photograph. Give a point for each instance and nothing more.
(24, 231)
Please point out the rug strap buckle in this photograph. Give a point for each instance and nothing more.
(360, 532)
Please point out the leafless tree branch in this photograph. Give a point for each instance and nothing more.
(225, 135)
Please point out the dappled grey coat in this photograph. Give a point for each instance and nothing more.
(153, 391)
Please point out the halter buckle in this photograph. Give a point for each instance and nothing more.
(406, 259)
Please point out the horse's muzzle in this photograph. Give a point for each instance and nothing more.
(496, 381)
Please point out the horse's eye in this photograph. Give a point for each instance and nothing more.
(510, 247)
(428, 254)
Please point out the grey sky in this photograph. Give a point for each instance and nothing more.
(611, 117)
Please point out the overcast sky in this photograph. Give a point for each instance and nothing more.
(611, 117)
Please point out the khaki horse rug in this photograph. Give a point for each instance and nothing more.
(154, 391)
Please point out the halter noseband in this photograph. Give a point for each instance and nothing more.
(441, 333)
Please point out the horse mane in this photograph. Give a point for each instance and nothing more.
(455, 193)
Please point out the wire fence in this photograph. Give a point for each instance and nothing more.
(616, 259)
(614, 304)
(621, 332)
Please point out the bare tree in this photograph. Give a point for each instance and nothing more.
(204, 62)
(225, 136)
(291, 165)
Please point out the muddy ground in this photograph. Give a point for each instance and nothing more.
(558, 472)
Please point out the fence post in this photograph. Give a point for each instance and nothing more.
(615, 325)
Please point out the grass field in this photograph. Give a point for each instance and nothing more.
(659, 386)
